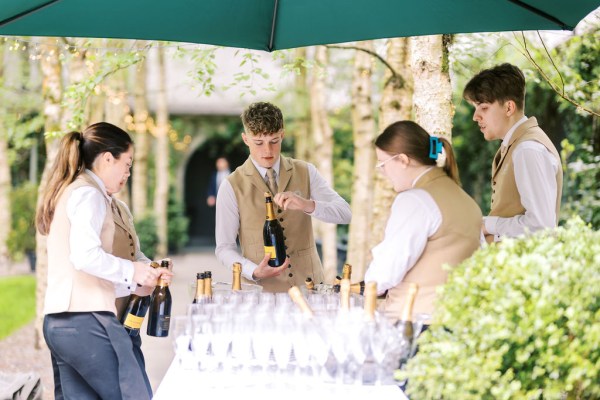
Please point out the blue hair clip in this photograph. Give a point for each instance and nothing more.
(435, 147)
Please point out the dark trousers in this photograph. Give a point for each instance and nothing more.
(93, 358)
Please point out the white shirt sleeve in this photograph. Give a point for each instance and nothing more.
(414, 218)
(535, 175)
(226, 230)
(86, 210)
(329, 205)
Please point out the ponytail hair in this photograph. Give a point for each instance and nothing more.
(66, 167)
(76, 152)
(408, 137)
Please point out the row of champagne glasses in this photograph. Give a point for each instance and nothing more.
(263, 335)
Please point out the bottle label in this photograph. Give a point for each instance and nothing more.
(133, 321)
(271, 251)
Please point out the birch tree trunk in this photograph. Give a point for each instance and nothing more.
(52, 90)
(323, 143)
(7, 58)
(161, 159)
(301, 132)
(116, 109)
(396, 105)
(363, 125)
(139, 183)
(433, 91)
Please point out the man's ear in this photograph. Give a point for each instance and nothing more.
(245, 138)
(510, 107)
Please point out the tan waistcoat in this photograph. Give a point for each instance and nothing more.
(125, 243)
(455, 240)
(69, 289)
(249, 188)
(506, 201)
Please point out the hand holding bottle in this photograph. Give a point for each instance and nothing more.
(145, 275)
(292, 201)
(264, 270)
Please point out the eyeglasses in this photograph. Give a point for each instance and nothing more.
(382, 163)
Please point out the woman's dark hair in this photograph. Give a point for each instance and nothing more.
(78, 151)
(408, 137)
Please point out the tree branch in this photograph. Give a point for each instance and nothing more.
(553, 86)
(396, 77)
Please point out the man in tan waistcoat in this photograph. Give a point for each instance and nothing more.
(526, 171)
(300, 193)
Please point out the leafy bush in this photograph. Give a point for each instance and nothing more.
(519, 320)
(21, 237)
(146, 231)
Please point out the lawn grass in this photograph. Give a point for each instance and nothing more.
(17, 303)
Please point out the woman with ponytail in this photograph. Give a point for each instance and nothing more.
(93, 258)
(432, 221)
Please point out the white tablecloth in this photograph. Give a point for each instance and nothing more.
(181, 384)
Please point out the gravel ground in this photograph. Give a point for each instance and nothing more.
(19, 355)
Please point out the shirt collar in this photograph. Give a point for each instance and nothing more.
(263, 171)
(421, 175)
(99, 183)
(512, 130)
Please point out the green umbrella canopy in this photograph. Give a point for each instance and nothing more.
(281, 24)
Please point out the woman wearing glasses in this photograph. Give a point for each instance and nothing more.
(432, 221)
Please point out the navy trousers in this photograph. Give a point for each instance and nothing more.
(94, 358)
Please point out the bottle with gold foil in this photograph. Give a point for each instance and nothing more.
(347, 272)
(298, 298)
(236, 283)
(358, 288)
(405, 324)
(136, 310)
(370, 303)
(345, 295)
(274, 241)
(208, 285)
(309, 284)
(199, 296)
(159, 319)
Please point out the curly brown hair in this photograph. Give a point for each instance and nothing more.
(262, 118)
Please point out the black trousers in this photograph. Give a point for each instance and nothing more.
(93, 357)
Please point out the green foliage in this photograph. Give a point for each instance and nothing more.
(519, 320)
(177, 223)
(17, 303)
(581, 194)
(146, 231)
(21, 237)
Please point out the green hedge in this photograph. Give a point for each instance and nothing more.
(519, 320)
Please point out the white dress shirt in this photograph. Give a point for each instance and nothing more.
(329, 207)
(414, 218)
(86, 210)
(535, 175)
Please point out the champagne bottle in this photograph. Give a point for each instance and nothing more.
(347, 272)
(404, 324)
(136, 310)
(370, 303)
(160, 310)
(199, 296)
(273, 235)
(336, 284)
(345, 295)
(208, 285)
(236, 283)
(300, 301)
(309, 284)
(358, 288)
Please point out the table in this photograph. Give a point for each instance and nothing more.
(186, 383)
